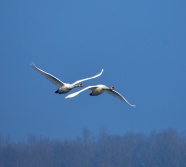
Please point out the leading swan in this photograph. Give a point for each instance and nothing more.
(63, 87)
(99, 89)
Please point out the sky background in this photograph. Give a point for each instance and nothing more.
(141, 45)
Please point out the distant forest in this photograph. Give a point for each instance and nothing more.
(158, 149)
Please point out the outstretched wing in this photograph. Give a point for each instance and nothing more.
(49, 76)
(78, 92)
(118, 95)
(88, 78)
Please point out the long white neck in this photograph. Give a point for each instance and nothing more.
(76, 85)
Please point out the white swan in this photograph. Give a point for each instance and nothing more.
(99, 89)
(63, 87)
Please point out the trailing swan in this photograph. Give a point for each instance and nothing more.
(63, 87)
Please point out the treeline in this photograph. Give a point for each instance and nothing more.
(159, 149)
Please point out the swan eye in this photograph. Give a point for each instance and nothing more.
(80, 85)
(112, 88)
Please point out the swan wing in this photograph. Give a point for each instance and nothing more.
(78, 92)
(81, 80)
(49, 76)
(118, 95)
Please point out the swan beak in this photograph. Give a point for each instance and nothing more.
(80, 85)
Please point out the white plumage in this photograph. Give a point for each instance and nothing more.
(63, 87)
(99, 89)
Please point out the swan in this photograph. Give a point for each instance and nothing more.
(99, 89)
(63, 87)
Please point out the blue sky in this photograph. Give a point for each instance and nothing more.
(140, 45)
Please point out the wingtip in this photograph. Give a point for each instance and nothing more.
(133, 106)
(72, 95)
(32, 64)
(68, 97)
(101, 71)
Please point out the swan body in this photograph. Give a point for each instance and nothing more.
(63, 87)
(99, 89)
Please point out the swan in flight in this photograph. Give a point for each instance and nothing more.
(63, 87)
(99, 89)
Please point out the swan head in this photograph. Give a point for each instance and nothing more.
(77, 85)
(80, 85)
(112, 88)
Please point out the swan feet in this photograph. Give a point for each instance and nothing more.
(57, 92)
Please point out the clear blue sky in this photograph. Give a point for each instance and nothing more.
(140, 44)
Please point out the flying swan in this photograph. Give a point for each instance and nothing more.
(99, 89)
(63, 87)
